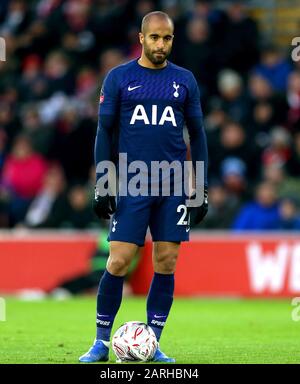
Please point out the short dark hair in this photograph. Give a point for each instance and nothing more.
(157, 14)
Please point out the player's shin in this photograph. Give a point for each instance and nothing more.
(159, 301)
(108, 303)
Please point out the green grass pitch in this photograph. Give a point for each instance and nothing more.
(198, 330)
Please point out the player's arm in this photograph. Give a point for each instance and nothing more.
(198, 142)
(104, 205)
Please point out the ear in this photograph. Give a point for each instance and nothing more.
(141, 38)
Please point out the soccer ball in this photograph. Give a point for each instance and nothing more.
(134, 341)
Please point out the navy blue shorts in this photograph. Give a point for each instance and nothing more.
(166, 216)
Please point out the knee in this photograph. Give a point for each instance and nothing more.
(165, 262)
(117, 265)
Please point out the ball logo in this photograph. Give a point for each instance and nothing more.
(296, 51)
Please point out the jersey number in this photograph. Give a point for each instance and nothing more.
(182, 220)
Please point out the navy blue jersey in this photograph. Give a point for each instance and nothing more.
(151, 105)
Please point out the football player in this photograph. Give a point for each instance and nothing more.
(147, 101)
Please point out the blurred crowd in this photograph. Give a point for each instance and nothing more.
(57, 54)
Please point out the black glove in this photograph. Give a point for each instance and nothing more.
(104, 206)
(197, 214)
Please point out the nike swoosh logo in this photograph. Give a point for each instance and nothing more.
(158, 317)
(187, 229)
(102, 315)
(132, 88)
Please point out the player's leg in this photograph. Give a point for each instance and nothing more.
(160, 296)
(109, 298)
(111, 286)
(128, 229)
(169, 226)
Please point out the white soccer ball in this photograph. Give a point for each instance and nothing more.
(134, 341)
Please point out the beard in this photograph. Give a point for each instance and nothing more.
(156, 57)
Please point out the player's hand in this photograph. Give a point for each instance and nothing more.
(104, 206)
(197, 214)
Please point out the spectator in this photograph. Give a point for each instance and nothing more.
(233, 99)
(293, 163)
(233, 172)
(239, 45)
(58, 74)
(261, 91)
(78, 32)
(261, 123)
(48, 208)
(23, 175)
(3, 141)
(4, 196)
(71, 132)
(198, 55)
(223, 207)
(293, 100)
(40, 135)
(78, 213)
(17, 19)
(274, 68)
(232, 142)
(33, 85)
(9, 123)
(281, 180)
(279, 151)
(260, 88)
(289, 215)
(215, 18)
(86, 83)
(216, 117)
(262, 214)
(274, 174)
(204, 10)
(108, 59)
